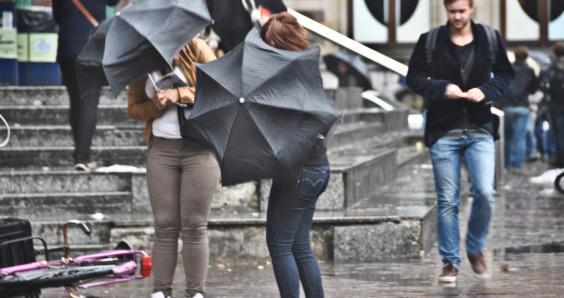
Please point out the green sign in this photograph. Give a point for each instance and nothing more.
(8, 44)
(23, 47)
(42, 47)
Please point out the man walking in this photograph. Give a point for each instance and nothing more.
(462, 78)
(515, 105)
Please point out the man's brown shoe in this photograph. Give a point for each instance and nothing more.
(478, 263)
(449, 274)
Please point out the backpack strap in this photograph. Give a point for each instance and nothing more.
(492, 41)
(430, 43)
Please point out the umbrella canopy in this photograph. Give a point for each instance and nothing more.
(142, 38)
(260, 109)
(356, 67)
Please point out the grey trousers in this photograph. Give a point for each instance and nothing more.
(181, 176)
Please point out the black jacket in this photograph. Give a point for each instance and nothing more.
(431, 82)
(524, 83)
(74, 27)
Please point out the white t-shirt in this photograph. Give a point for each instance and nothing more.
(167, 125)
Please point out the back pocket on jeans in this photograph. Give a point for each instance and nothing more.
(314, 181)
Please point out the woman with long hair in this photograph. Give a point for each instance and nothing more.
(291, 205)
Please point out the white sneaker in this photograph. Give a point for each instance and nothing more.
(199, 295)
(159, 295)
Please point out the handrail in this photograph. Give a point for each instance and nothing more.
(350, 44)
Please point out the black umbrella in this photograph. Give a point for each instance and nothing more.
(357, 71)
(261, 110)
(141, 38)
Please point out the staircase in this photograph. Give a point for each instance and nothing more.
(377, 206)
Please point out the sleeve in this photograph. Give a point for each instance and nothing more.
(419, 77)
(203, 54)
(139, 106)
(56, 4)
(503, 74)
(534, 83)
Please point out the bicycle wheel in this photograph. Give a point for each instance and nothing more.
(57, 276)
(559, 182)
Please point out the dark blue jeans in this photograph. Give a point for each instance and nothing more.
(83, 113)
(516, 119)
(290, 214)
(556, 114)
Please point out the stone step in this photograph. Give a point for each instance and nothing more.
(398, 223)
(49, 192)
(37, 205)
(37, 157)
(59, 115)
(51, 229)
(61, 136)
(47, 182)
(51, 96)
(349, 133)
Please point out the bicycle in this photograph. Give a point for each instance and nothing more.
(81, 272)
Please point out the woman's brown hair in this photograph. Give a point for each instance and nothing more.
(283, 31)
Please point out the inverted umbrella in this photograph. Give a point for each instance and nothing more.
(261, 110)
(142, 38)
(358, 69)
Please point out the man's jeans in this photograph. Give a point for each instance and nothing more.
(516, 119)
(447, 156)
(290, 214)
(531, 138)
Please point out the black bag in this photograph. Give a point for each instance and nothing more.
(184, 111)
(19, 252)
(556, 85)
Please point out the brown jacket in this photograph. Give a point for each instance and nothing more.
(141, 107)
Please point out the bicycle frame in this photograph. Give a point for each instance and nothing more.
(120, 273)
(125, 269)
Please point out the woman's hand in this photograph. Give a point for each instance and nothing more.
(166, 97)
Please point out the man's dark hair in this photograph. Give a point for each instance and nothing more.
(558, 49)
(470, 2)
(521, 53)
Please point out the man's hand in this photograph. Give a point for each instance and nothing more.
(475, 95)
(454, 92)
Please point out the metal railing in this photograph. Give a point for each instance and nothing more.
(396, 67)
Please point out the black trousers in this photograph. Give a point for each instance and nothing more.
(83, 113)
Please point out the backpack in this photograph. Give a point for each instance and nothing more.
(555, 84)
(431, 42)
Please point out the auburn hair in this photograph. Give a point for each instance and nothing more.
(283, 31)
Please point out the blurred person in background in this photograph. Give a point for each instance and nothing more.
(515, 105)
(75, 19)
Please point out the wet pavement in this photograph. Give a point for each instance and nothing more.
(525, 254)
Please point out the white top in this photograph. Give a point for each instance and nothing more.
(167, 125)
